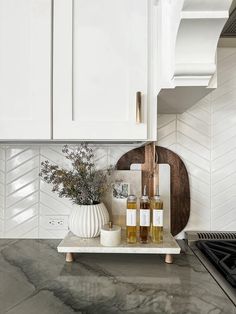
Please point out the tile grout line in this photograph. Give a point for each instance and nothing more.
(39, 190)
(4, 194)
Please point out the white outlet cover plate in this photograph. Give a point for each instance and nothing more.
(54, 222)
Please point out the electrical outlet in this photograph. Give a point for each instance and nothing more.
(54, 222)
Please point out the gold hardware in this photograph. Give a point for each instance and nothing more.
(110, 224)
(138, 107)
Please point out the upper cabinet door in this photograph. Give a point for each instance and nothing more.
(25, 58)
(100, 65)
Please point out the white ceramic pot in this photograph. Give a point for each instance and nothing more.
(85, 221)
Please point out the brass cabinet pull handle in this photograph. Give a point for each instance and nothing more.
(138, 107)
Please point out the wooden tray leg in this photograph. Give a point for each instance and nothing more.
(69, 257)
(169, 258)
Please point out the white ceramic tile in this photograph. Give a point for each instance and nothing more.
(224, 172)
(199, 125)
(223, 160)
(26, 167)
(199, 217)
(193, 157)
(174, 147)
(205, 105)
(165, 119)
(199, 113)
(1, 228)
(188, 143)
(101, 157)
(54, 154)
(223, 196)
(166, 130)
(225, 88)
(14, 161)
(13, 151)
(168, 140)
(225, 183)
(2, 189)
(200, 186)
(52, 234)
(224, 53)
(197, 161)
(226, 58)
(24, 179)
(28, 229)
(21, 218)
(195, 134)
(225, 99)
(115, 152)
(22, 187)
(23, 204)
(226, 65)
(24, 192)
(220, 208)
(2, 166)
(200, 198)
(221, 118)
(51, 203)
(229, 221)
(200, 174)
(224, 148)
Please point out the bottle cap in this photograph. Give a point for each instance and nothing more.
(156, 197)
(144, 198)
(132, 198)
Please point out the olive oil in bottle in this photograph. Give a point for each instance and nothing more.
(144, 217)
(131, 219)
(157, 218)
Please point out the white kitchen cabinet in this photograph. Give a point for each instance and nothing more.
(102, 58)
(25, 64)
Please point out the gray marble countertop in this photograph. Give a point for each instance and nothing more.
(34, 279)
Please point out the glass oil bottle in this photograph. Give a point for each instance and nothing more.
(131, 219)
(144, 218)
(157, 218)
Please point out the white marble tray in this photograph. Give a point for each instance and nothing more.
(73, 244)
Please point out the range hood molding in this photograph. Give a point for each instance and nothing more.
(191, 38)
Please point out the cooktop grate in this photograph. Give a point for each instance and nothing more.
(216, 235)
(193, 236)
(223, 255)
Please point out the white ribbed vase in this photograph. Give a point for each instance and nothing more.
(85, 221)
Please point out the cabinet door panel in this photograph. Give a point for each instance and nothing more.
(25, 33)
(104, 43)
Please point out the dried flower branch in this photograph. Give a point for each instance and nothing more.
(84, 184)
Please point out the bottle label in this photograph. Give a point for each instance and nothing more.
(131, 217)
(157, 218)
(145, 217)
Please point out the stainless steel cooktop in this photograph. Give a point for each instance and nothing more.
(217, 252)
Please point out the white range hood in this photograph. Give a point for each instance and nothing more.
(188, 51)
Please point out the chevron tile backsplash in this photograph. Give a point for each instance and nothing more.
(204, 137)
(27, 203)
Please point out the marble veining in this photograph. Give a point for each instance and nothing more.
(35, 279)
